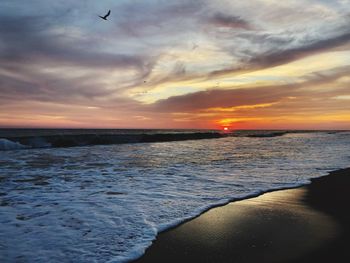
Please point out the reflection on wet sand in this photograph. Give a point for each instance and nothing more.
(273, 227)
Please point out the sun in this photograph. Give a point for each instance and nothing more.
(225, 129)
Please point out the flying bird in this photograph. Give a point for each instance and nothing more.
(105, 17)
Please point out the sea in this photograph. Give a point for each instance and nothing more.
(105, 200)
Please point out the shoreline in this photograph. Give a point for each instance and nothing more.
(299, 224)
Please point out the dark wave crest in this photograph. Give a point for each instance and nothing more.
(72, 140)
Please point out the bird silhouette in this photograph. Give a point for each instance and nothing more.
(105, 17)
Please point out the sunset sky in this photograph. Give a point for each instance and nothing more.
(253, 64)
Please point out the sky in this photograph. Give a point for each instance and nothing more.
(253, 64)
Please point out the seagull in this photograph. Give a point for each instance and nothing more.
(105, 17)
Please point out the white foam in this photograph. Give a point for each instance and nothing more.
(107, 203)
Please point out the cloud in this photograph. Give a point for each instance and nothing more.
(220, 98)
(61, 54)
(29, 40)
(229, 21)
(42, 61)
(227, 98)
(153, 20)
(279, 56)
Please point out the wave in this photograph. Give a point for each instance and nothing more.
(264, 135)
(116, 199)
(72, 140)
(10, 145)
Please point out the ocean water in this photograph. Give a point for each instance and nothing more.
(106, 203)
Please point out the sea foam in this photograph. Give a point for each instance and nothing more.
(107, 203)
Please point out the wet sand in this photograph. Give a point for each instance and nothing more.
(306, 224)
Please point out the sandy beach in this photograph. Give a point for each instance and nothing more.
(306, 224)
